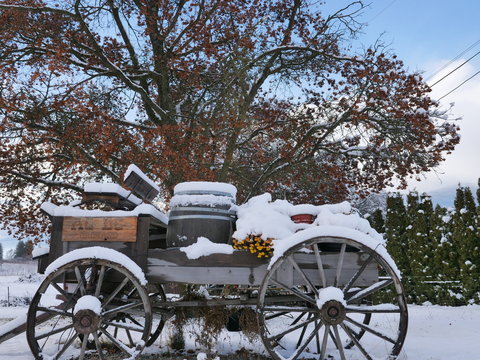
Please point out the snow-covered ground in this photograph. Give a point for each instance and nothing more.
(435, 332)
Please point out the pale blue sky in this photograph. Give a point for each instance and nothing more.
(427, 34)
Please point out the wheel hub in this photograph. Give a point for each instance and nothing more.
(86, 314)
(333, 312)
(86, 321)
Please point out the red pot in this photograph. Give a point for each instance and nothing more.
(303, 218)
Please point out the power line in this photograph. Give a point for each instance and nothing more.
(458, 67)
(471, 77)
(382, 11)
(454, 59)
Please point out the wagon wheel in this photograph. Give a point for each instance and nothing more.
(87, 301)
(328, 316)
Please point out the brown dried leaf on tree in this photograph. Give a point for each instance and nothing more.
(263, 94)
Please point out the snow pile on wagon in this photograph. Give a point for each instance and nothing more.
(267, 219)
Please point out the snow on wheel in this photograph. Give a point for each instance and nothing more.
(332, 298)
(89, 305)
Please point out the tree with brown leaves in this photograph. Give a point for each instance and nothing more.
(264, 94)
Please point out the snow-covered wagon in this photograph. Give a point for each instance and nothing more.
(317, 279)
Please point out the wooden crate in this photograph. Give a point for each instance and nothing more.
(130, 235)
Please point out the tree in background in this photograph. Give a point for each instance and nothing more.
(21, 250)
(465, 237)
(265, 94)
(1, 251)
(396, 223)
(377, 221)
(445, 258)
(437, 250)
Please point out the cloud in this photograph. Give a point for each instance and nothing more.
(463, 165)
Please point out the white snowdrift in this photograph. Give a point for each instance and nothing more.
(204, 247)
(271, 219)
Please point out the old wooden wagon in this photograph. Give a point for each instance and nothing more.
(328, 293)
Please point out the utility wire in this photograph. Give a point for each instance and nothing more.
(471, 77)
(382, 11)
(454, 59)
(451, 72)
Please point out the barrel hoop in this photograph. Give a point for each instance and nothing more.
(203, 209)
(211, 217)
(204, 192)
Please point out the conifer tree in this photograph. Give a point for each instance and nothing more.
(412, 250)
(377, 221)
(420, 212)
(21, 250)
(478, 192)
(458, 234)
(445, 257)
(466, 237)
(395, 234)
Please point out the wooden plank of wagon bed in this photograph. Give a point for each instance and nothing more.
(243, 268)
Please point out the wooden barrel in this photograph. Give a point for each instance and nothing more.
(201, 209)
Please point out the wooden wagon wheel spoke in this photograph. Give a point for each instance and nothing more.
(66, 346)
(98, 346)
(295, 292)
(370, 330)
(317, 339)
(355, 341)
(123, 325)
(302, 274)
(369, 290)
(374, 309)
(130, 340)
(338, 342)
(83, 348)
(101, 276)
(357, 274)
(299, 351)
(286, 310)
(321, 271)
(53, 332)
(115, 342)
(80, 280)
(273, 316)
(115, 292)
(323, 350)
(121, 308)
(55, 311)
(341, 257)
(68, 297)
(293, 328)
(302, 334)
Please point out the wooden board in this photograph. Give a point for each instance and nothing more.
(243, 268)
(100, 229)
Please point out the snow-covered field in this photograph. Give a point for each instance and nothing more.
(435, 332)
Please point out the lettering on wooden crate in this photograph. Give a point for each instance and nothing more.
(123, 229)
